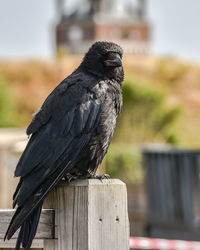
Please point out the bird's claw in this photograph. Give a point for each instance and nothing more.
(69, 178)
(99, 176)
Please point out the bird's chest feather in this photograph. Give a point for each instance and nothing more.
(109, 94)
(111, 98)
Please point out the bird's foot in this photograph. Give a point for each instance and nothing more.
(99, 176)
(69, 177)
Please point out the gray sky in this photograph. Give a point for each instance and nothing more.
(176, 27)
(26, 28)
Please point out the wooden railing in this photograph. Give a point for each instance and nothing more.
(85, 215)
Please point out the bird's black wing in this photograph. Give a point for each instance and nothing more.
(54, 148)
(54, 122)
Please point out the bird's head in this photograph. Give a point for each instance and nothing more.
(104, 59)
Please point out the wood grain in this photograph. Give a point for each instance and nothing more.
(84, 215)
(37, 243)
(45, 228)
(91, 214)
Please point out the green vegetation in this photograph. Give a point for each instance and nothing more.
(146, 116)
(8, 108)
(11, 113)
(124, 162)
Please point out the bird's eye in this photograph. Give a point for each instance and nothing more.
(113, 60)
(112, 55)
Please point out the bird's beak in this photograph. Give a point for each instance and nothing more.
(115, 62)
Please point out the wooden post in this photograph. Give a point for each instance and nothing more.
(89, 215)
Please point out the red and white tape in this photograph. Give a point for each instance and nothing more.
(162, 244)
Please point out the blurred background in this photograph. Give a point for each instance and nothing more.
(156, 144)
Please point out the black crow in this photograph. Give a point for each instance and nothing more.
(70, 134)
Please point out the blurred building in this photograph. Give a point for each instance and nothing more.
(121, 21)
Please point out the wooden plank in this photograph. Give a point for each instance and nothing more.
(64, 199)
(45, 228)
(37, 243)
(91, 214)
(108, 216)
(50, 244)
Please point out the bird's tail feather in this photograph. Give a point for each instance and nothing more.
(27, 212)
(28, 229)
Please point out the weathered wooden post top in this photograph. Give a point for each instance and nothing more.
(87, 214)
